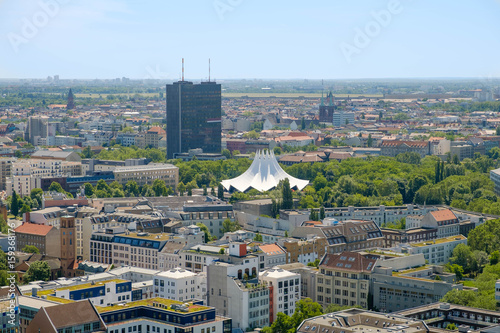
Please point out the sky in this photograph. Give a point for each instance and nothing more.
(273, 39)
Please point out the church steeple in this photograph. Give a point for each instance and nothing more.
(330, 99)
(322, 102)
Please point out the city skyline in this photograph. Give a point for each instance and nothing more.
(365, 39)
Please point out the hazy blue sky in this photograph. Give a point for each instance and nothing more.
(249, 38)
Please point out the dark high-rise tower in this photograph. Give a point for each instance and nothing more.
(193, 117)
(71, 100)
(326, 111)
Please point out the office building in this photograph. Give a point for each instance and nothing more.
(147, 174)
(180, 285)
(343, 118)
(193, 117)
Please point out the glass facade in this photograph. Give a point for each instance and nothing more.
(193, 117)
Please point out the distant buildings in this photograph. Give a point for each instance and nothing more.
(36, 128)
(193, 117)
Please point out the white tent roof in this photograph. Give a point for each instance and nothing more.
(264, 174)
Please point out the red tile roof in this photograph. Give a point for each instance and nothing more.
(271, 249)
(34, 229)
(444, 215)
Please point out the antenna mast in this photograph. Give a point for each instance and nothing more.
(208, 69)
(182, 69)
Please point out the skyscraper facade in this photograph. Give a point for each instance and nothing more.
(193, 117)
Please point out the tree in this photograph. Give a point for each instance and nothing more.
(314, 263)
(229, 226)
(258, 237)
(204, 228)
(131, 188)
(251, 135)
(37, 194)
(304, 309)
(277, 150)
(226, 153)
(369, 142)
(322, 213)
(56, 187)
(462, 256)
(303, 124)
(451, 327)
(88, 189)
(181, 188)
(457, 270)
(38, 271)
(14, 204)
(30, 249)
(287, 195)
(485, 237)
(220, 191)
(25, 209)
(159, 187)
(494, 257)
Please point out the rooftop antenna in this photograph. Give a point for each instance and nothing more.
(182, 69)
(208, 69)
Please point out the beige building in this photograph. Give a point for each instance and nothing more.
(153, 136)
(344, 279)
(304, 251)
(44, 237)
(147, 174)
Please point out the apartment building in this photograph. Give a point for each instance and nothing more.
(246, 302)
(147, 174)
(119, 247)
(304, 251)
(273, 255)
(444, 220)
(344, 279)
(342, 236)
(284, 287)
(380, 214)
(180, 284)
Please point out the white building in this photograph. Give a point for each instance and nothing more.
(180, 285)
(285, 289)
(342, 118)
(436, 252)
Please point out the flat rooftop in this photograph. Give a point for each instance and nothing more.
(159, 302)
(439, 241)
(80, 286)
